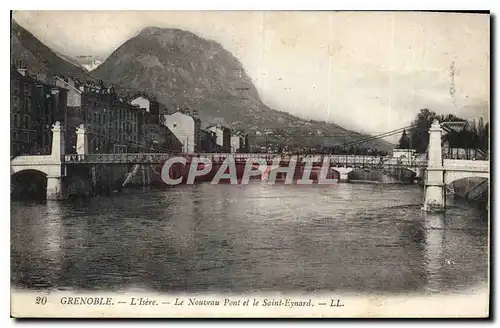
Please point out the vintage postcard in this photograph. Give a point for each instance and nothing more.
(250, 164)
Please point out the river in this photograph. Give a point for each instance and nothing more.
(256, 237)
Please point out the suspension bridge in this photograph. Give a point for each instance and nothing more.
(434, 170)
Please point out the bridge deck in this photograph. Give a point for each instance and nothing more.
(157, 158)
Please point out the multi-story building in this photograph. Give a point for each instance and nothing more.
(35, 106)
(148, 103)
(112, 123)
(208, 142)
(223, 137)
(154, 135)
(237, 143)
(186, 126)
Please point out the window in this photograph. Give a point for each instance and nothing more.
(17, 122)
(94, 118)
(18, 63)
(98, 118)
(16, 101)
(14, 135)
(16, 87)
(27, 105)
(27, 121)
(27, 89)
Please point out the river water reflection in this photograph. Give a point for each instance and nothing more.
(257, 237)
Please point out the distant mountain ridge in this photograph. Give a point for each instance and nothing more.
(181, 69)
(90, 63)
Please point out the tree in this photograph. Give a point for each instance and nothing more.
(404, 141)
(420, 135)
(481, 134)
(485, 144)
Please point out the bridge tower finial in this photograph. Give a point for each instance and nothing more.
(58, 143)
(81, 140)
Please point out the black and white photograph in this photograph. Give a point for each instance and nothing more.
(249, 164)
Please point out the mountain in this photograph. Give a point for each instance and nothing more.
(182, 69)
(38, 58)
(90, 63)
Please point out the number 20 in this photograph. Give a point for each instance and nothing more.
(41, 300)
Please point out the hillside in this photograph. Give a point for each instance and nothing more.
(37, 57)
(180, 68)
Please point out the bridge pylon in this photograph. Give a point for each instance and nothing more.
(434, 191)
(56, 189)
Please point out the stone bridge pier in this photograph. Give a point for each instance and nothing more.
(441, 172)
(343, 173)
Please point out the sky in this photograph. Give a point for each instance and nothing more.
(367, 71)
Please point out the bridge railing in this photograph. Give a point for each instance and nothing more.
(335, 160)
(466, 165)
(129, 158)
(33, 159)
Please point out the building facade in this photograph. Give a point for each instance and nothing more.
(223, 137)
(208, 142)
(238, 143)
(154, 135)
(147, 102)
(35, 106)
(112, 124)
(187, 129)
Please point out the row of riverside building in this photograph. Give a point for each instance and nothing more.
(115, 123)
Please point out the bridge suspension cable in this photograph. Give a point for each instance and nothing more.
(379, 136)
